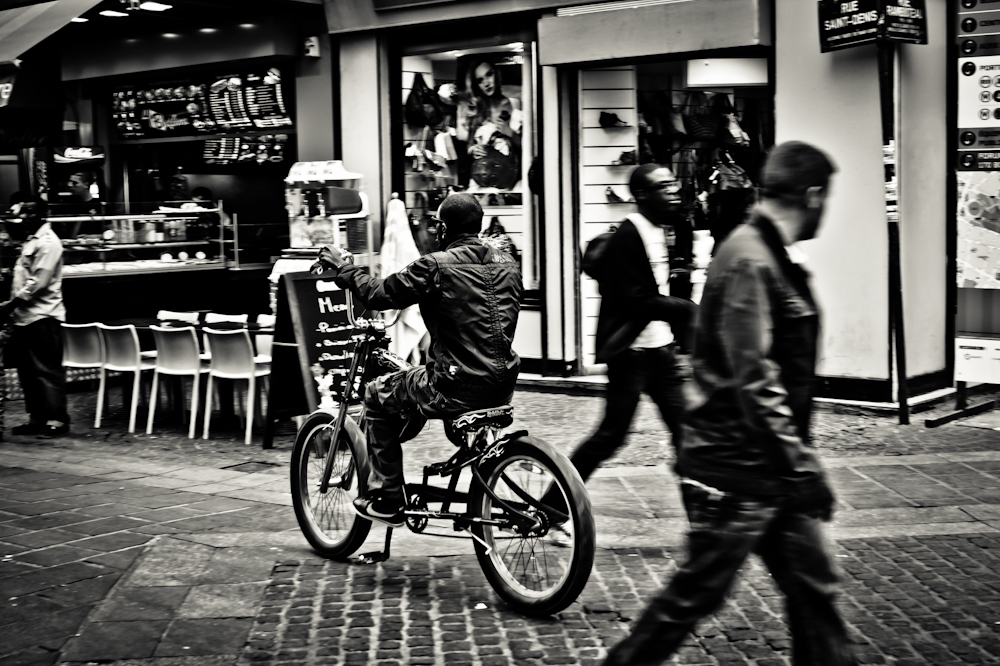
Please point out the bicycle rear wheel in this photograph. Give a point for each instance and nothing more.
(539, 569)
(327, 519)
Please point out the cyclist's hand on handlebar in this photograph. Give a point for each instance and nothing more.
(332, 257)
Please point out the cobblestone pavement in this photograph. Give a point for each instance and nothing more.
(158, 549)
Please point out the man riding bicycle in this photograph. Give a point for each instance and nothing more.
(469, 296)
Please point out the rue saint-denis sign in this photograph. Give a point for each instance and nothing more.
(847, 23)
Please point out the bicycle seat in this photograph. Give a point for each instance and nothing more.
(496, 417)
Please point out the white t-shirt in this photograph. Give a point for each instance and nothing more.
(657, 333)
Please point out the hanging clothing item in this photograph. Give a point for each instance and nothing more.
(398, 251)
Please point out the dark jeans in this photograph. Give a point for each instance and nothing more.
(654, 372)
(36, 350)
(398, 406)
(725, 529)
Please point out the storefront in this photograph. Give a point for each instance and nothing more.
(571, 96)
(179, 129)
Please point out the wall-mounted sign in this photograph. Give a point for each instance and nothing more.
(224, 104)
(847, 23)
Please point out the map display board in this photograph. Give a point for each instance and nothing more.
(225, 104)
(977, 213)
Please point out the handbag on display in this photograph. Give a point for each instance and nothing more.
(727, 175)
(422, 107)
(496, 169)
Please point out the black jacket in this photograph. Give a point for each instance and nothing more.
(469, 296)
(630, 297)
(754, 366)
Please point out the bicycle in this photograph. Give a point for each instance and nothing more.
(537, 557)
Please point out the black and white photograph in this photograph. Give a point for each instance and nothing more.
(499, 332)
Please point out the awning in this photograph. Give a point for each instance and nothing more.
(23, 27)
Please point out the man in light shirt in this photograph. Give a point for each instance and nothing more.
(639, 322)
(36, 309)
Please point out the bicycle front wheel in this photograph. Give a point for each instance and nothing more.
(538, 568)
(327, 519)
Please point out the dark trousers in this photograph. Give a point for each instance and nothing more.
(725, 529)
(397, 408)
(654, 372)
(36, 350)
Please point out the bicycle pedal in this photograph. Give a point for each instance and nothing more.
(437, 468)
(373, 557)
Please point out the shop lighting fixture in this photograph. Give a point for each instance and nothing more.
(208, 30)
(155, 6)
(248, 25)
(79, 19)
(171, 35)
(111, 12)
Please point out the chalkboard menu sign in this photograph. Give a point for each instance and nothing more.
(312, 350)
(235, 102)
(245, 149)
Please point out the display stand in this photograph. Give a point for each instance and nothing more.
(312, 348)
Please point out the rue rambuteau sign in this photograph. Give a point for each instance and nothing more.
(847, 23)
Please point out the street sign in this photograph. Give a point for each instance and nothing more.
(847, 23)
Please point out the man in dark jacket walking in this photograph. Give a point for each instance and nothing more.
(469, 296)
(749, 480)
(639, 321)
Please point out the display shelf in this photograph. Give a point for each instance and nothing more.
(132, 246)
(142, 267)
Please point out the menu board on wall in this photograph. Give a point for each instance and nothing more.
(245, 149)
(240, 102)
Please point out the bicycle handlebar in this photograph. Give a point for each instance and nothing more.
(319, 267)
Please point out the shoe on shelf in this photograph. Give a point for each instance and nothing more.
(608, 119)
(52, 431)
(627, 157)
(613, 196)
(28, 429)
(380, 511)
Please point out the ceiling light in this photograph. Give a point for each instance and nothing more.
(170, 35)
(154, 6)
(110, 12)
(247, 25)
(208, 30)
(79, 19)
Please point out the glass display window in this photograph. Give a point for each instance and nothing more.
(468, 126)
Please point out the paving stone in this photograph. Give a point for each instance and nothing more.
(119, 559)
(89, 591)
(56, 555)
(204, 637)
(43, 579)
(111, 542)
(42, 538)
(222, 601)
(112, 641)
(142, 603)
(104, 525)
(49, 631)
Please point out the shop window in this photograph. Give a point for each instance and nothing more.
(469, 127)
(714, 140)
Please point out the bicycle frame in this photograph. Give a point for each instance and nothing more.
(371, 347)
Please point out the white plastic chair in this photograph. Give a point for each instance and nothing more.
(121, 354)
(83, 347)
(177, 355)
(169, 315)
(216, 318)
(265, 340)
(232, 358)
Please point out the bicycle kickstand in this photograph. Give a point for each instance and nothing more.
(375, 556)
